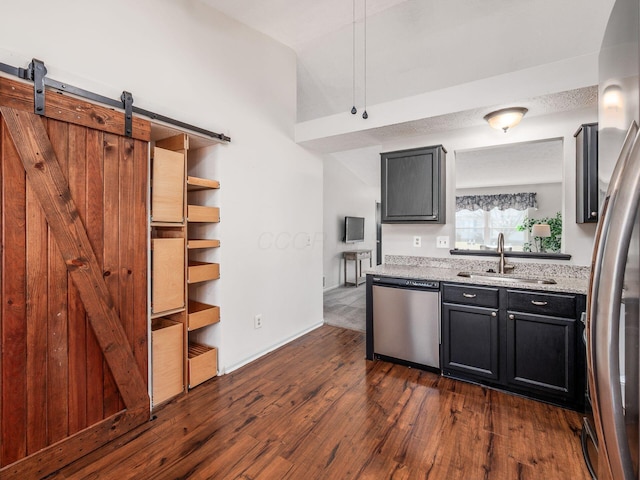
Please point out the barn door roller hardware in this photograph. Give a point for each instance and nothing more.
(36, 73)
(127, 101)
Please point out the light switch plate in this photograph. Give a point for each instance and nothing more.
(442, 242)
(417, 241)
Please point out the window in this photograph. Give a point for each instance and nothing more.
(480, 218)
(479, 229)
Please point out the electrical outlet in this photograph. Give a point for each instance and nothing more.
(442, 242)
(257, 321)
(417, 241)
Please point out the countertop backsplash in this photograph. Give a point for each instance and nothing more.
(522, 269)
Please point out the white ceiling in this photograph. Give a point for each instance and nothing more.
(418, 46)
(295, 23)
(538, 106)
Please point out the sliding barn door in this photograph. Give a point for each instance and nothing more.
(73, 280)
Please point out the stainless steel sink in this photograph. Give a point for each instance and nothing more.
(507, 278)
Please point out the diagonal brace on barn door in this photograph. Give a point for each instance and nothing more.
(52, 190)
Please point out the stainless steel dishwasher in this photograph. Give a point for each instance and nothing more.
(406, 320)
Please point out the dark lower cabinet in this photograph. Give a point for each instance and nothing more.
(470, 340)
(541, 353)
(522, 341)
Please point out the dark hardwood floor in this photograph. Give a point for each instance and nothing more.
(316, 409)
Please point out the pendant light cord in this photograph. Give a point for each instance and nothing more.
(365, 115)
(354, 110)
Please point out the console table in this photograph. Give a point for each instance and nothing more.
(357, 256)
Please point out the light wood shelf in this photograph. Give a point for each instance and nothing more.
(203, 363)
(167, 312)
(201, 314)
(200, 213)
(177, 143)
(202, 271)
(196, 243)
(196, 183)
(168, 224)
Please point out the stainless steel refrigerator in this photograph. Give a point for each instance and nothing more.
(611, 434)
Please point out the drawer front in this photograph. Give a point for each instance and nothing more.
(468, 295)
(542, 303)
(203, 363)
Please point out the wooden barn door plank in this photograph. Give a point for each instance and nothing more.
(57, 326)
(48, 181)
(126, 247)
(14, 333)
(77, 318)
(71, 110)
(46, 461)
(2, 364)
(95, 231)
(110, 251)
(140, 216)
(37, 308)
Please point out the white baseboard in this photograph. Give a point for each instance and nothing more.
(333, 287)
(262, 353)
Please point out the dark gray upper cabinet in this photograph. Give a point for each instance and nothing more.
(413, 185)
(587, 173)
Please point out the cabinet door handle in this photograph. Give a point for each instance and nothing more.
(494, 314)
(469, 295)
(512, 317)
(540, 304)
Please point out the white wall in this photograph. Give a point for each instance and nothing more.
(187, 61)
(422, 46)
(345, 194)
(577, 239)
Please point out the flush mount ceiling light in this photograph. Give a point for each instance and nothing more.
(506, 118)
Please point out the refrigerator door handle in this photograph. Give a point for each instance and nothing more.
(607, 276)
(596, 259)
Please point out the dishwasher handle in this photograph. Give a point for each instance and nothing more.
(406, 283)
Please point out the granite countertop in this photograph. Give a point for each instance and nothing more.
(425, 272)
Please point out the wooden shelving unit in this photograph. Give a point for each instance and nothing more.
(202, 360)
(195, 183)
(202, 314)
(180, 266)
(199, 213)
(195, 243)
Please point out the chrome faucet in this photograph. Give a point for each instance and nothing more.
(503, 266)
